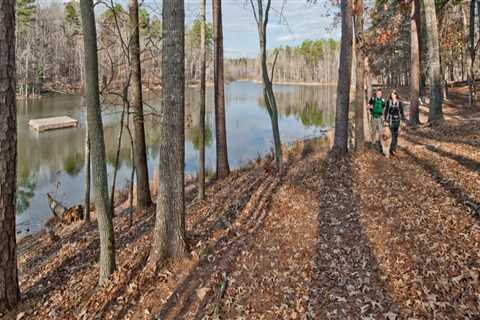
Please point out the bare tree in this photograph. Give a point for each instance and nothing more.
(203, 67)
(435, 79)
(144, 199)
(415, 63)
(223, 168)
(169, 233)
(340, 143)
(9, 291)
(261, 18)
(360, 77)
(97, 143)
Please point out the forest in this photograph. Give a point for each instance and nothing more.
(152, 167)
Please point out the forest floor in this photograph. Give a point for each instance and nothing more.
(367, 237)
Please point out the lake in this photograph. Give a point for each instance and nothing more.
(53, 161)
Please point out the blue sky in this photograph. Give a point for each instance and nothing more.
(300, 20)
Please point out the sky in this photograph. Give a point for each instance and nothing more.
(299, 20)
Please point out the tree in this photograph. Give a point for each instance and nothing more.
(71, 16)
(223, 168)
(471, 54)
(340, 143)
(169, 232)
(415, 62)
(9, 291)
(203, 69)
(360, 77)
(87, 178)
(433, 47)
(97, 143)
(144, 199)
(261, 19)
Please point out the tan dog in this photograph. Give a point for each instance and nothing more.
(386, 140)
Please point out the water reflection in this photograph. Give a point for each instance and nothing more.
(53, 161)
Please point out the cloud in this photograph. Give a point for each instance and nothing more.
(290, 37)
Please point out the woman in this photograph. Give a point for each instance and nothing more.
(393, 116)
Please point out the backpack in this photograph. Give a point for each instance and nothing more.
(377, 108)
(394, 113)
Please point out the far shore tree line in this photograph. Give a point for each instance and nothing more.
(121, 51)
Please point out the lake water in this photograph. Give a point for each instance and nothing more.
(53, 161)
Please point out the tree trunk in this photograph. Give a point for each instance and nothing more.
(368, 86)
(97, 143)
(9, 291)
(86, 205)
(119, 147)
(223, 168)
(203, 67)
(268, 94)
(340, 143)
(169, 233)
(435, 110)
(414, 118)
(360, 78)
(471, 58)
(144, 199)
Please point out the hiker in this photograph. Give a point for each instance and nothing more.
(393, 116)
(376, 106)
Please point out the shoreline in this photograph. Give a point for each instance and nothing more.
(53, 224)
(292, 83)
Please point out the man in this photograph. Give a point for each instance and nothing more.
(376, 106)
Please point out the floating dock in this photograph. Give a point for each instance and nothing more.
(45, 124)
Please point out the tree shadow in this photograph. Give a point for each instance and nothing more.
(344, 257)
(467, 163)
(202, 231)
(220, 257)
(47, 250)
(85, 258)
(442, 138)
(455, 191)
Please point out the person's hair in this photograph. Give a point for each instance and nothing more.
(394, 93)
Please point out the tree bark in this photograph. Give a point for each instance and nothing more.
(9, 290)
(414, 118)
(86, 205)
(144, 199)
(223, 168)
(203, 67)
(360, 78)
(340, 142)
(169, 233)
(435, 78)
(472, 56)
(368, 86)
(97, 143)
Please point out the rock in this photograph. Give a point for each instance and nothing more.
(20, 315)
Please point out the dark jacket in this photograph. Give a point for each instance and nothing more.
(394, 113)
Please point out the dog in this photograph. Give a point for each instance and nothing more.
(386, 140)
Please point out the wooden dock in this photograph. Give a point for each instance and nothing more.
(45, 124)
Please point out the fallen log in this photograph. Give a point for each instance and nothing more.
(66, 215)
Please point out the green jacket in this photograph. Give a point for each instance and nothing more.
(378, 104)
